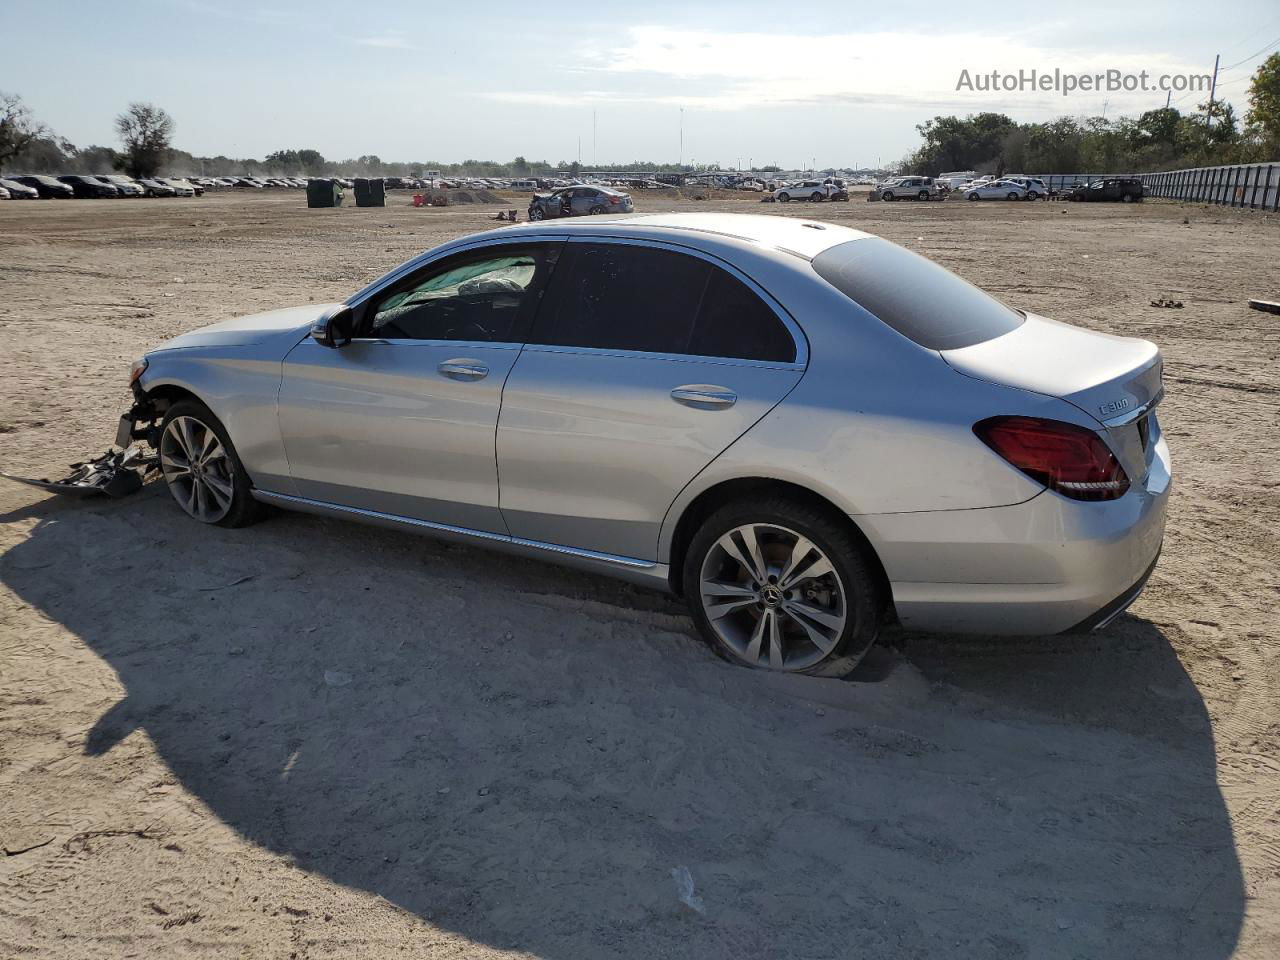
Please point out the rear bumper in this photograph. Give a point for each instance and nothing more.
(1049, 565)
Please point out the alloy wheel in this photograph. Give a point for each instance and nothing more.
(773, 597)
(196, 468)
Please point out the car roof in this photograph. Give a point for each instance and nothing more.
(805, 237)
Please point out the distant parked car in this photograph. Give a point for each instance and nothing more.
(578, 202)
(47, 187)
(996, 190)
(125, 186)
(19, 191)
(89, 188)
(182, 187)
(1123, 189)
(909, 188)
(154, 188)
(1035, 186)
(803, 190)
(4, 194)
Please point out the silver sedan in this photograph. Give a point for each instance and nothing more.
(806, 431)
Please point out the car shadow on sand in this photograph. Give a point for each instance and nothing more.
(523, 755)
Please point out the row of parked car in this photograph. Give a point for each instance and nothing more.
(1008, 187)
(84, 186)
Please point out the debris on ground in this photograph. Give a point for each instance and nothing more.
(116, 473)
(1267, 306)
(684, 889)
(1170, 304)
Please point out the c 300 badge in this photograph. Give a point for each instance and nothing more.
(1114, 406)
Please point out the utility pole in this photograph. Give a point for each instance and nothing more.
(681, 136)
(595, 157)
(1213, 88)
(1168, 98)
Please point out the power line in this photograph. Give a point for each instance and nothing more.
(1254, 56)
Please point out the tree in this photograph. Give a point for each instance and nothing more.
(1263, 116)
(146, 132)
(18, 128)
(520, 166)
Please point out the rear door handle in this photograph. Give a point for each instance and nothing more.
(704, 397)
(463, 369)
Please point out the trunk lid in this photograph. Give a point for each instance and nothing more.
(1115, 380)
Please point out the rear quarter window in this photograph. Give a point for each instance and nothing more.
(921, 300)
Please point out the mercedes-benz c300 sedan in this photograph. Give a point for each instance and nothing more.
(804, 430)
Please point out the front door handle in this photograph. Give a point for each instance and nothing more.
(463, 369)
(704, 397)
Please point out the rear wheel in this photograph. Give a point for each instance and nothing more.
(1127, 198)
(597, 209)
(779, 584)
(815, 196)
(201, 469)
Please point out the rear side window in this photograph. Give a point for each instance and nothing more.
(915, 296)
(628, 297)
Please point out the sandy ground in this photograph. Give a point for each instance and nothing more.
(314, 739)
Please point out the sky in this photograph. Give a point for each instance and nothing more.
(733, 83)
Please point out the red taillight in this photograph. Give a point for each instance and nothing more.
(1072, 460)
(615, 199)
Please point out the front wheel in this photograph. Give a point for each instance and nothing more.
(536, 213)
(779, 584)
(1127, 198)
(922, 195)
(201, 469)
(784, 198)
(1033, 195)
(974, 196)
(887, 195)
(1011, 195)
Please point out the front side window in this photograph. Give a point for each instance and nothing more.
(637, 298)
(487, 298)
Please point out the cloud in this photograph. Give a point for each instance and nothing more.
(737, 71)
(387, 41)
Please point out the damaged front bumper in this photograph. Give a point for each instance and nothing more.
(117, 473)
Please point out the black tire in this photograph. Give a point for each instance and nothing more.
(244, 509)
(1032, 195)
(887, 195)
(784, 198)
(1127, 198)
(815, 197)
(1011, 195)
(974, 196)
(536, 213)
(922, 195)
(597, 210)
(863, 600)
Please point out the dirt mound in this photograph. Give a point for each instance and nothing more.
(473, 196)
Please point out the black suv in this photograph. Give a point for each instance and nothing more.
(1124, 189)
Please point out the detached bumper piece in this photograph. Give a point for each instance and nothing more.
(115, 474)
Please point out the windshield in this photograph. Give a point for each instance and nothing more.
(913, 295)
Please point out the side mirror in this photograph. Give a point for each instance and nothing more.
(334, 329)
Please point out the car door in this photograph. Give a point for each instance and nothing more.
(646, 361)
(401, 420)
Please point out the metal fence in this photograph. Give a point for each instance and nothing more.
(1252, 185)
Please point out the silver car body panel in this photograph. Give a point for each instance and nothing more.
(584, 455)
